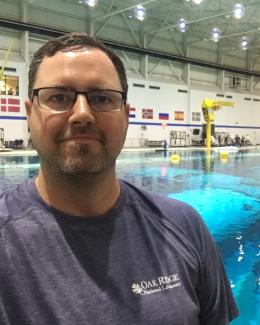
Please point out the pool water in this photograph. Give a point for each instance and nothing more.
(226, 192)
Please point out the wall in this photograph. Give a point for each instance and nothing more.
(161, 97)
(14, 122)
(242, 119)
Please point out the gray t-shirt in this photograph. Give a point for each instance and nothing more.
(149, 260)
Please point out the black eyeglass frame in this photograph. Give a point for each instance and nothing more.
(35, 92)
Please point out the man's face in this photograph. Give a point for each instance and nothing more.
(78, 140)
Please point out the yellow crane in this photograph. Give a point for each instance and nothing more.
(209, 106)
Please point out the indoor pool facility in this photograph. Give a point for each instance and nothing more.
(225, 190)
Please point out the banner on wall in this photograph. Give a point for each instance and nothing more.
(179, 115)
(163, 116)
(132, 112)
(11, 105)
(147, 113)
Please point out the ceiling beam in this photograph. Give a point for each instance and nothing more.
(116, 12)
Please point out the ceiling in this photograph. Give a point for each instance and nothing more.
(162, 20)
(113, 20)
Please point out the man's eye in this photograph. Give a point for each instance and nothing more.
(59, 98)
(103, 100)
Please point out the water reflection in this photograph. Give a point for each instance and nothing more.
(16, 169)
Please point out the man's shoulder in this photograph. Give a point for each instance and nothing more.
(161, 206)
(14, 201)
(171, 217)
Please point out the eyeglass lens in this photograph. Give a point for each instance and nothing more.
(60, 99)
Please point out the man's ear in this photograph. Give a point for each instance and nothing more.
(28, 107)
(127, 109)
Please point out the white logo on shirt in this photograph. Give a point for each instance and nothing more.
(159, 284)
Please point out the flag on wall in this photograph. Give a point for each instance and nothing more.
(179, 115)
(10, 105)
(147, 113)
(132, 112)
(163, 116)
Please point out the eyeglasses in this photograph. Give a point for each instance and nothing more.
(63, 99)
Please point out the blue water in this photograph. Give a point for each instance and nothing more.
(225, 192)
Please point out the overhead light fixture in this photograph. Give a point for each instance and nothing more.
(238, 11)
(182, 26)
(197, 2)
(215, 34)
(140, 12)
(244, 43)
(91, 3)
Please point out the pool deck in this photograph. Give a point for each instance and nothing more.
(31, 152)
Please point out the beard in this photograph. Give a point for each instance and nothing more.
(79, 159)
(85, 160)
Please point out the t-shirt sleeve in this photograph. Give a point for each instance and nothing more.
(217, 304)
(216, 301)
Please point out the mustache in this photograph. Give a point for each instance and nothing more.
(82, 132)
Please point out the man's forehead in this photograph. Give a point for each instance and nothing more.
(69, 62)
(74, 52)
(76, 49)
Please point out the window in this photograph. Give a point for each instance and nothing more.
(196, 131)
(195, 116)
(138, 85)
(9, 85)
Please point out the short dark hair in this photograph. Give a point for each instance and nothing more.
(74, 40)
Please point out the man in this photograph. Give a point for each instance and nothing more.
(77, 245)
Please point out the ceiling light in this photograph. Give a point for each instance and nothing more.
(197, 2)
(182, 26)
(140, 12)
(244, 43)
(215, 34)
(91, 3)
(238, 11)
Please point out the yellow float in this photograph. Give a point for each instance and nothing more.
(175, 159)
(223, 154)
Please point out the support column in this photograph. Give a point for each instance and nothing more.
(25, 47)
(90, 23)
(144, 64)
(24, 38)
(220, 74)
(91, 28)
(186, 77)
(250, 80)
(221, 80)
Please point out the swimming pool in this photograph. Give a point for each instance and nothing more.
(225, 191)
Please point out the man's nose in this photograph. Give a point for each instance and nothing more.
(81, 112)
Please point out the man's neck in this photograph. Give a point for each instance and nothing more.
(84, 196)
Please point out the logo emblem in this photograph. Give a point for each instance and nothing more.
(161, 283)
(136, 288)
